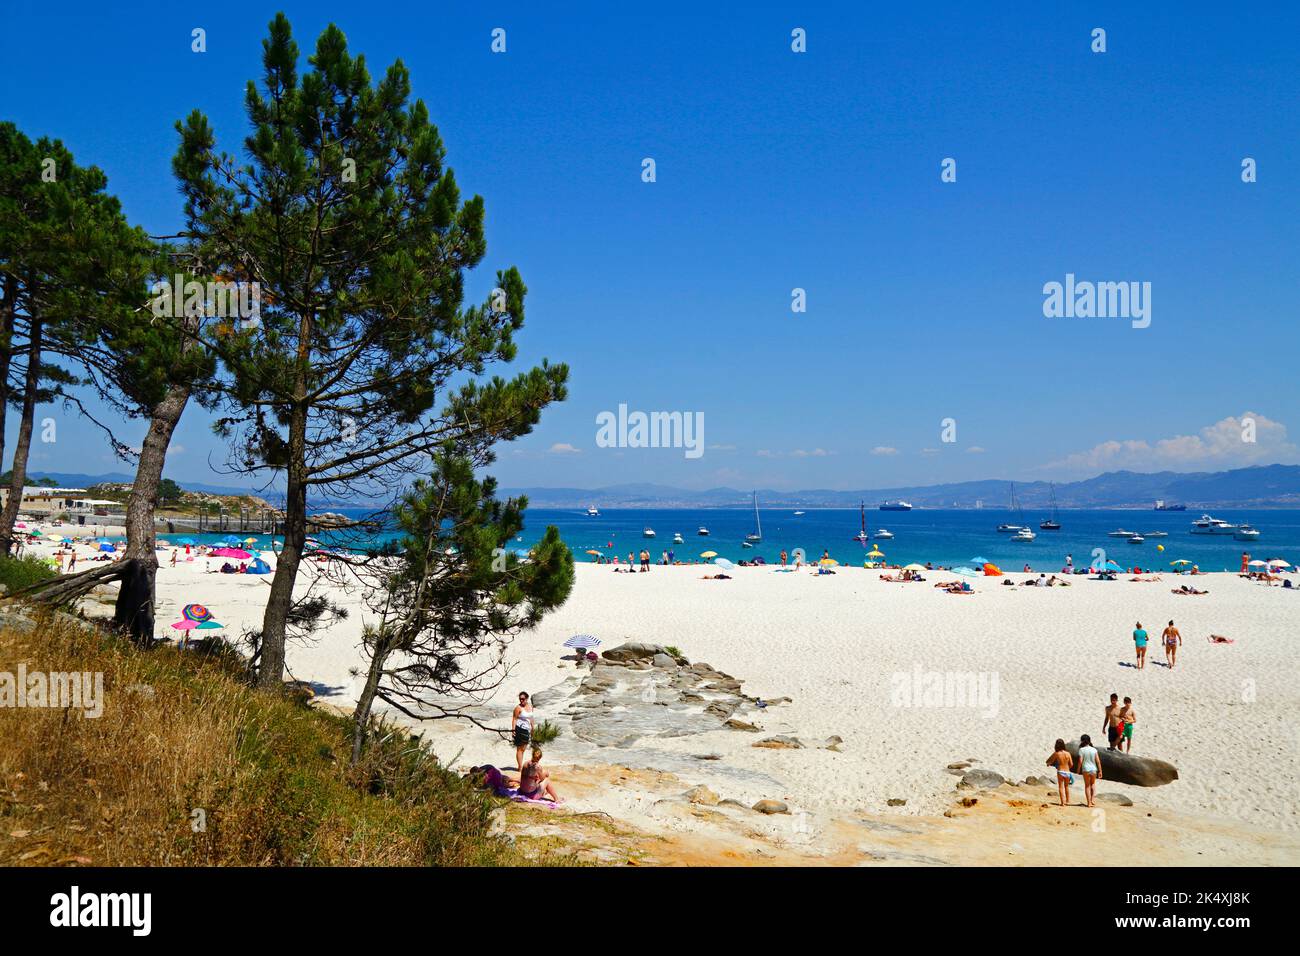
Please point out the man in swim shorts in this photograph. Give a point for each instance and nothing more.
(1111, 722)
(1128, 716)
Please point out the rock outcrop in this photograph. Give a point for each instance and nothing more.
(1126, 768)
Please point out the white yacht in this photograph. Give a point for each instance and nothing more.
(884, 535)
(648, 533)
(1246, 532)
(1121, 533)
(1136, 539)
(1024, 534)
(1207, 525)
(798, 513)
(677, 538)
(703, 532)
(593, 512)
(1156, 534)
(1011, 527)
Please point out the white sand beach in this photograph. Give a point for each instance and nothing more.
(845, 647)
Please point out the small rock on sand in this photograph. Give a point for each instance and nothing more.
(770, 806)
(780, 742)
(735, 724)
(895, 802)
(981, 780)
(1116, 798)
(702, 795)
(832, 743)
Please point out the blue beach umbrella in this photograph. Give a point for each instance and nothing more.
(980, 561)
(723, 563)
(106, 546)
(966, 572)
(1109, 566)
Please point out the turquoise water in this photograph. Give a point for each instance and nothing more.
(941, 537)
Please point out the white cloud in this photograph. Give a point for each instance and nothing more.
(563, 448)
(1225, 444)
(975, 450)
(884, 450)
(797, 453)
(929, 452)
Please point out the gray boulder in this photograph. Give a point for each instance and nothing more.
(1116, 798)
(980, 780)
(633, 651)
(1127, 768)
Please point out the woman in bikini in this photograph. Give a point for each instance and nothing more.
(1062, 761)
(534, 782)
(1172, 639)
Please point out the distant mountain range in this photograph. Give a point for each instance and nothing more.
(1263, 486)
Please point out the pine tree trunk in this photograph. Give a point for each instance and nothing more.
(275, 621)
(135, 599)
(8, 317)
(22, 447)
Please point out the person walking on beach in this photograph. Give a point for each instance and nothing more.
(784, 557)
(1172, 639)
(1069, 564)
(1062, 761)
(1245, 562)
(72, 562)
(1140, 643)
(1128, 716)
(1110, 723)
(521, 726)
(1089, 764)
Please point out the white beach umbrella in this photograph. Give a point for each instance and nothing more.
(1258, 564)
(1277, 563)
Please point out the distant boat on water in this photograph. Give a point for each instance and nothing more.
(885, 535)
(593, 512)
(862, 537)
(648, 533)
(703, 532)
(1207, 525)
(1051, 524)
(1161, 506)
(798, 513)
(757, 536)
(1246, 532)
(1007, 527)
(896, 505)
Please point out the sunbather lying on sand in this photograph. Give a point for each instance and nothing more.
(1187, 589)
(716, 577)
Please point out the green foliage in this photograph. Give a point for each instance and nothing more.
(545, 732)
(169, 491)
(17, 573)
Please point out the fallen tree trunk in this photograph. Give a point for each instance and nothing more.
(69, 587)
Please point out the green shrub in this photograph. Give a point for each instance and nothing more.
(545, 732)
(18, 573)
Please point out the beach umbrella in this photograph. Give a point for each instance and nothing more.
(875, 553)
(1277, 563)
(237, 553)
(250, 541)
(828, 562)
(1258, 564)
(914, 567)
(992, 570)
(980, 561)
(188, 625)
(20, 524)
(1180, 561)
(709, 554)
(724, 564)
(196, 613)
(1109, 566)
(106, 546)
(966, 572)
(593, 551)
(582, 641)
(189, 541)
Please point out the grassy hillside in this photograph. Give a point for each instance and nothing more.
(181, 733)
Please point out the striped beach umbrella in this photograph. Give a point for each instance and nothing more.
(196, 613)
(582, 641)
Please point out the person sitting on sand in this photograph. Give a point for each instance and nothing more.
(1088, 764)
(534, 781)
(1140, 645)
(1062, 761)
(1172, 640)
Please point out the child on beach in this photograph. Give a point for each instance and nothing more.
(1089, 764)
(1062, 761)
(1129, 717)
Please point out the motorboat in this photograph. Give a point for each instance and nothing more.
(648, 533)
(1024, 534)
(1155, 534)
(862, 537)
(1246, 532)
(798, 513)
(703, 532)
(593, 512)
(1010, 527)
(677, 538)
(1208, 525)
(1121, 533)
(746, 544)
(884, 535)
(1136, 539)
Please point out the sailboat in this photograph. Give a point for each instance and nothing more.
(1051, 524)
(1022, 530)
(862, 537)
(1012, 527)
(757, 536)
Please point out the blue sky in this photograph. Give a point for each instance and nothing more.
(820, 171)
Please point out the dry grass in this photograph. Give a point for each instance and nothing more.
(181, 733)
